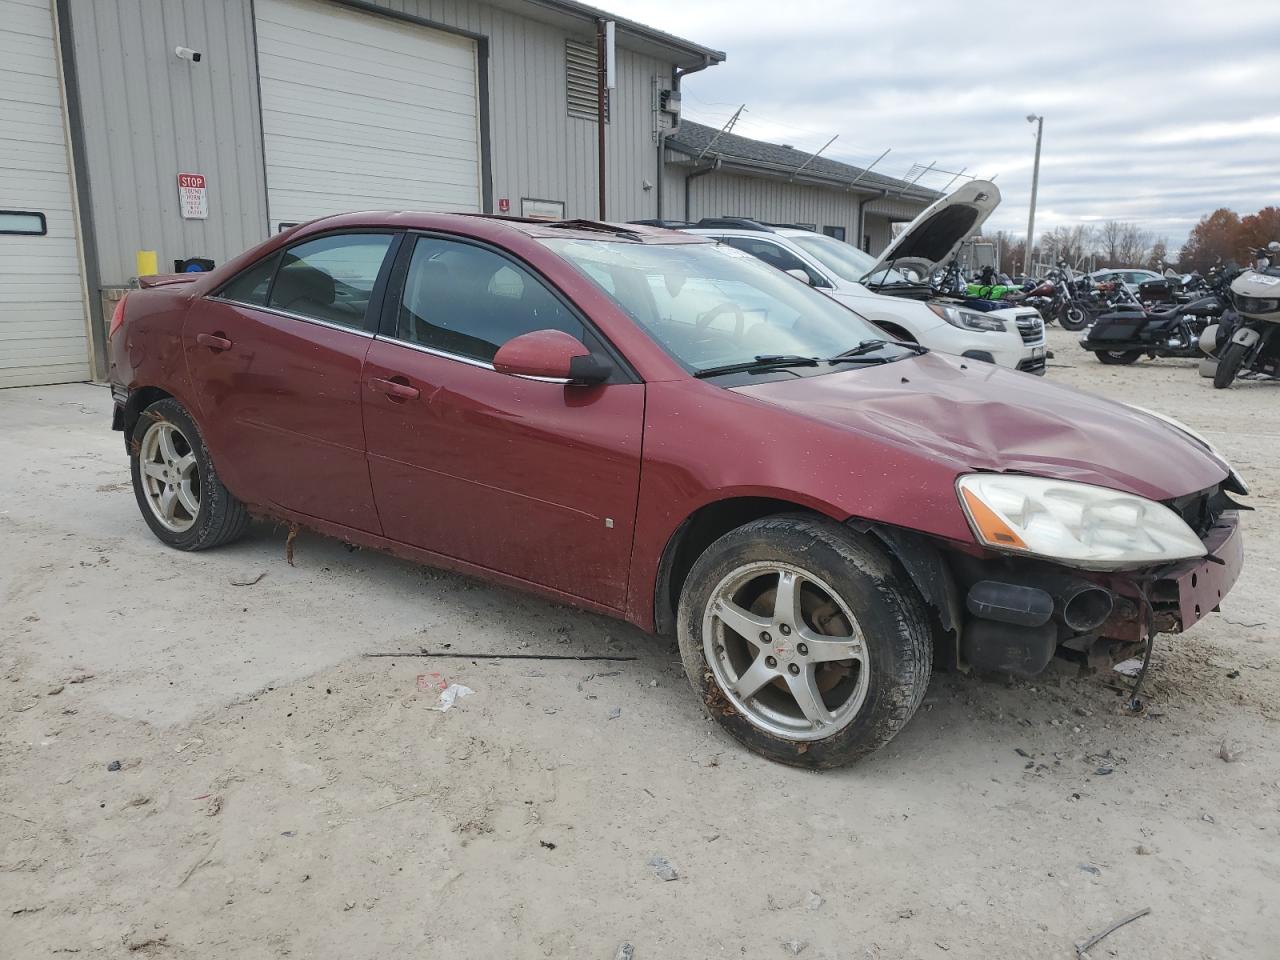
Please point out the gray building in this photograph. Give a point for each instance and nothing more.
(710, 174)
(196, 128)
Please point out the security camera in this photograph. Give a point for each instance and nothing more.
(186, 53)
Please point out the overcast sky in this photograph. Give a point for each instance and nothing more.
(1156, 112)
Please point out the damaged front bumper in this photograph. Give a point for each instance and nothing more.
(1019, 615)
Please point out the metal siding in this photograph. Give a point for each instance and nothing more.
(148, 116)
(774, 201)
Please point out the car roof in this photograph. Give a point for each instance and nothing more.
(580, 229)
(747, 232)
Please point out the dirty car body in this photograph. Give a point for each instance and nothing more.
(644, 424)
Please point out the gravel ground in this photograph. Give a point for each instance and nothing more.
(281, 795)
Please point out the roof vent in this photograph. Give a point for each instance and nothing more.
(787, 146)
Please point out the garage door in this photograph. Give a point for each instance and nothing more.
(362, 112)
(43, 333)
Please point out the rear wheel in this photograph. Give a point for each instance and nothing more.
(1117, 357)
(803, 641)
(1072, 316)
(1229, 364)
(174, 480)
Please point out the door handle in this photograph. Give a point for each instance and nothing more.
(213, 341)
(396, 389)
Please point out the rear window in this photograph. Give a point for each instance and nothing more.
(251, 285)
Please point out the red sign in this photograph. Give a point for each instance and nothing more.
(504, 205)
(193, 197)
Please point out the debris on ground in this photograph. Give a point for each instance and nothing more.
(813, 900)
(1090, 868)
(250, 581)
(1145, 851)
(625, 951)
(113, 766)
(214, 807)
(79, 677)
(795, 946)
(1228, 753)
(54, 691)
(451, 695)
(134, 945)
(1084, 946)
(193, 742)
(288, 543)
(1129, 668)
(615, 713)
(547, 844)
(663, 868)
(431, 681)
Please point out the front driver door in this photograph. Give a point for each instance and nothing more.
(275, 359)
(533, 479)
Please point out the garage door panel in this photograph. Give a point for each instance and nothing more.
(43, 336)
(300, 100)
(340, 55)
(361, 111)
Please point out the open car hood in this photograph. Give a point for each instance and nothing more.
(933, 238)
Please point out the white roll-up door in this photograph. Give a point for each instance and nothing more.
(43, 333)
(364, 112)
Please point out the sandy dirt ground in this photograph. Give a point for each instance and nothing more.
(279, 794)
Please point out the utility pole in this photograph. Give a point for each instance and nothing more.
(1035, 184)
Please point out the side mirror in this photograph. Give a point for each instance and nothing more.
(552, 354)
(800, 275)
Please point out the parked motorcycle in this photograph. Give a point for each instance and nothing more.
(1129, 331)
(1252, 345)
(1074, 306)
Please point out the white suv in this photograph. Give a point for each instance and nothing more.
(1011, 337)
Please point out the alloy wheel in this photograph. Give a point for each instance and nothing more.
(786, 650)
(170, 476)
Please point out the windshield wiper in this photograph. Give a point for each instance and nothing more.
(764, 361)
(870, 346)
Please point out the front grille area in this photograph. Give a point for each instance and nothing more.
(1031, 329)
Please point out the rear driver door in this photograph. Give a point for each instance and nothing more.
(275, 358)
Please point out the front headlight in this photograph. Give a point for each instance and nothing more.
(1241, 486)
(1076, 524)
(968, 319)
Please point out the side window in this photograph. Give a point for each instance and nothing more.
(469, 301)
(773, 255)
(331, 278)
(250, 286)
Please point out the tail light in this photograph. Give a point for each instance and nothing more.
(117, 317)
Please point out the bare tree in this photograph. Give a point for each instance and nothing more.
(1072, 244)
(1135, 244)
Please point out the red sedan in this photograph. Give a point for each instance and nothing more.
(660, 428)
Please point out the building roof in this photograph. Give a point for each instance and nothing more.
(774, 158)
(630, 33)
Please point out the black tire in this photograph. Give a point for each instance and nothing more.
(1117, 357)
(220, 517)
(1229, 364)
(1072, 316)
(896, 639)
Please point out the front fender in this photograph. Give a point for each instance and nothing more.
(1247, 336)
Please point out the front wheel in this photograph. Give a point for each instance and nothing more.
(1229, 365)
(803, 640)
(1072, 316)
(177, 488)
(1117, 357)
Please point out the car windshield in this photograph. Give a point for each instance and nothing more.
(843, 259)
(711, 306)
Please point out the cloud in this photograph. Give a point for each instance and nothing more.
(1157, 113)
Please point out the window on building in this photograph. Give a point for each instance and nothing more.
(469, 301)
(837, 232)
(582, 78)
(331, 278)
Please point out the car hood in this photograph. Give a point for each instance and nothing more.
(976, 416)
(934, 237)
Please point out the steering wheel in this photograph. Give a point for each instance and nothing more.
(739, 318)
